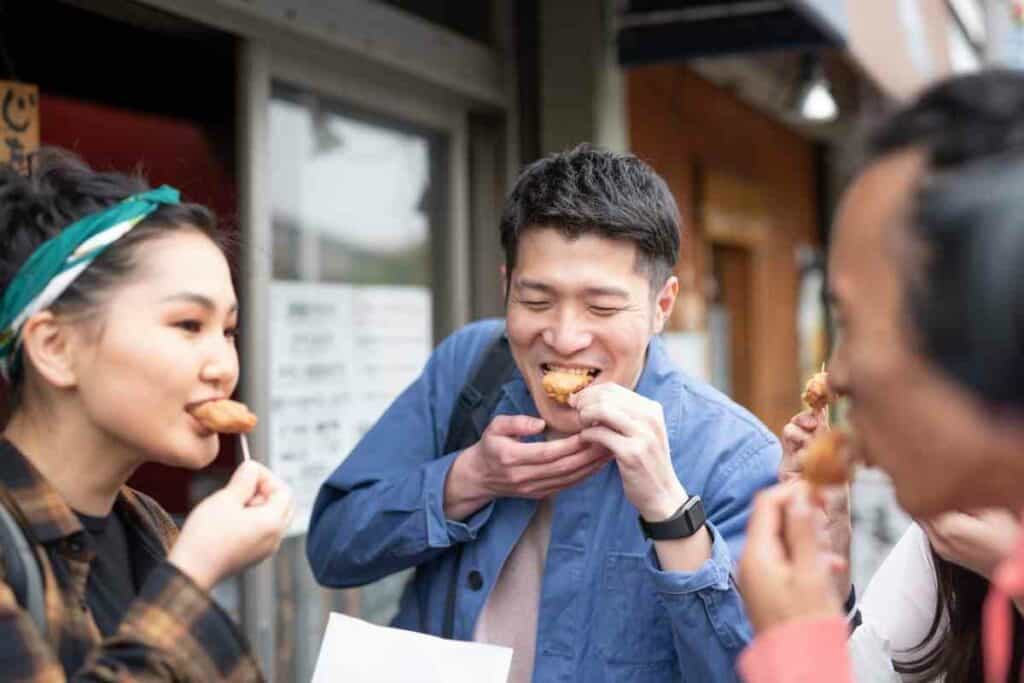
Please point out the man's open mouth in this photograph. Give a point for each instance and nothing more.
(568, 369)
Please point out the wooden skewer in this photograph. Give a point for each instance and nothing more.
(828, 418)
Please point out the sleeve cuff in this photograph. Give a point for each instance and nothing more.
(176, 617)
(779, 655)
(443, 532)
(714, 573)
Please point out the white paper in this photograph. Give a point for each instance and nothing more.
(355, 651)
(339, 355)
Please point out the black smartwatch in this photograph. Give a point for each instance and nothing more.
(687, 520)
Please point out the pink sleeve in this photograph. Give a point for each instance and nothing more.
(802, 651)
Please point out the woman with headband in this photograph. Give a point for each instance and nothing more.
(118, 318)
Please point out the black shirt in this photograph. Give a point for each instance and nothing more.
(111, 586)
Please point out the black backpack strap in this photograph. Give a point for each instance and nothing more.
(480, 395)
(470, 417)
(21, 567)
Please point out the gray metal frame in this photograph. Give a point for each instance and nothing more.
(258, 589)
(360, 30)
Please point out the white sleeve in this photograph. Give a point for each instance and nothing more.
(870, 657)
(899, 603)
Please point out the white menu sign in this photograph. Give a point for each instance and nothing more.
(339, 354)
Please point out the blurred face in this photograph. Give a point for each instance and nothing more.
(580, 304)
(166, 343)
(931, 437)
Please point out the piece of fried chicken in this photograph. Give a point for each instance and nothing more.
(225, 416)
(825, 462)
(561, 384)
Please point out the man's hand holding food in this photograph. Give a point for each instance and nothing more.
(632, 429)
(501, 465)
(617, 424)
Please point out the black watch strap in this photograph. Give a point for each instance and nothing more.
(687, 520)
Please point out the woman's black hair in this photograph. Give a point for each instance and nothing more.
(951, 650)
(59, 189)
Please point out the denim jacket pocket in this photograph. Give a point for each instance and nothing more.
(635, 631)
(557, 617)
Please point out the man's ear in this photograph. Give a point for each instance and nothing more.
(48, 344)
(665, 302)
(503, 273)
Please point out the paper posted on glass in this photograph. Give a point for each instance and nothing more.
(356, 651)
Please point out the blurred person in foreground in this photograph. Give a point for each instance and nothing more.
(920, 616)
(925, 273)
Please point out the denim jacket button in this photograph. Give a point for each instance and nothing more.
(475, 580)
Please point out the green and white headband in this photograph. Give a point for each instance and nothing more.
(56, 263)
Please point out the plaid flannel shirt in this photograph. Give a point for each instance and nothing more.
(173, 631)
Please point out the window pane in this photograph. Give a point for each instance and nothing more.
(355, 196)
(358, 201)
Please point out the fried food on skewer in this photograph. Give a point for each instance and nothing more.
(826, 463)
(225, 416)
(560, 384)
(816, 394)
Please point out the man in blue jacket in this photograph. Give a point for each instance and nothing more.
(595, 537)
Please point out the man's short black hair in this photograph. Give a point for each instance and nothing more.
(965, 277)
(589, 190)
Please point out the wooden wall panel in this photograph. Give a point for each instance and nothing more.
(691, 131)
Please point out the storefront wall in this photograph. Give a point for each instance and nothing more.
(745, 185)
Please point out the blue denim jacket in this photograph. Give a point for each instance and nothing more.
(607, 610)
